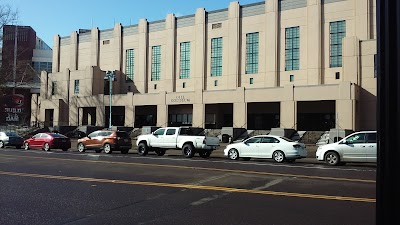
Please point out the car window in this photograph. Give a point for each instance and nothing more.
(44, 136)
(253, 140)
(122, 134)
(36, 136)
(371, 137)
(170, 132)
(58, 135)
(356, 138)
(159, 132)
(94, 134)
(287, 139)
(269, 140)
(105, 133)
(10, 134)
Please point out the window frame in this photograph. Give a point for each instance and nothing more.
(252, 50)
(292, 48)
(156, 63)
(216, 57)
(184, 67)
(76, 87)
(336, 42)
(130, 64)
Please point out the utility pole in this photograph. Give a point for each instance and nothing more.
(15, 59)
(110, 76)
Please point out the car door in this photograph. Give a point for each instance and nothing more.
(41, 140)
(157, 138)
(34, 141)
(371, 148)
(267, 146)
(90, 142)
(250, 147)
(170, 138)
(354, 150)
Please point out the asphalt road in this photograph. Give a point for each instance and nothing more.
(58, 187)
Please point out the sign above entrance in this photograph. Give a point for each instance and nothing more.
(180, 98)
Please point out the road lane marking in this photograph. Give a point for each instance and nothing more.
(204, 168)
(189, 186)
(269, 184)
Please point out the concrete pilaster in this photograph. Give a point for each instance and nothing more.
(162, 115)
(272, 43)
(314, 37)
(233, 45)
(240, 115)
(170, 29)
(351, 55)
(141, 78)
(200, 49)
(94, 54)
(198, 119)
(100, 115)
(345, 111)
(362, 19)
(73, 60)
(117, 41)
(80, 116)
(56, 54)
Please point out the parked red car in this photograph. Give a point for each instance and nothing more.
(47, 141)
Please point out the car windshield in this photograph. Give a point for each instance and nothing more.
(11, 134)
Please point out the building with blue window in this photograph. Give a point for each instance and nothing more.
(300, 64)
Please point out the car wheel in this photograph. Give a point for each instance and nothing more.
(124, 151)
(1, 144)
(26, 146)
(205, 154)
(160, 152)
(46, 147)
(233, 154)
(290, 160)
(332, 158)
(81, 147)
(188, 150)
(143, 149)
(107, 148)
(278, 156)
(246, 158)
(18, 146)
(98, 150)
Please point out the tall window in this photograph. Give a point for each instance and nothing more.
(54, 88)
(156, 63)
(130, 64)
(292, 48)
(185, 60)
(76, 87)
(216, 57)
(252, 53)
(337, 31)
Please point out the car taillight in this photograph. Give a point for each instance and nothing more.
(297, 146)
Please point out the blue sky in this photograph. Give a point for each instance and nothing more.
(49, 17)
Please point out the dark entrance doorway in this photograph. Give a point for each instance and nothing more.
(263, 115)
(117, 116)
(89, 116)
(180, 115)
(145, 116)
(49, 117)
(316, 115)
(219, 115)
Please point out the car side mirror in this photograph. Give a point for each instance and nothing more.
(344, 142)
(89, 137)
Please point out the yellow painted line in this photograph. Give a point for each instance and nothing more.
(189, 186)
(205, 168)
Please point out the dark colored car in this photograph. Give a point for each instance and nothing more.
(47, 141)
(107, 140)
(10, 139)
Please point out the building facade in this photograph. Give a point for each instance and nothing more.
(32, 56)
(303, 64)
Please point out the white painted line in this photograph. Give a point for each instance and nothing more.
(269, 184)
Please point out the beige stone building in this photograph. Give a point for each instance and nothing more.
(303, 64)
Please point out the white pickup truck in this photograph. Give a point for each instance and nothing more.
(188, 139)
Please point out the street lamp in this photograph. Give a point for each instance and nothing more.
(110, 76)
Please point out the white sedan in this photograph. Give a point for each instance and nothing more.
(274, 147)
